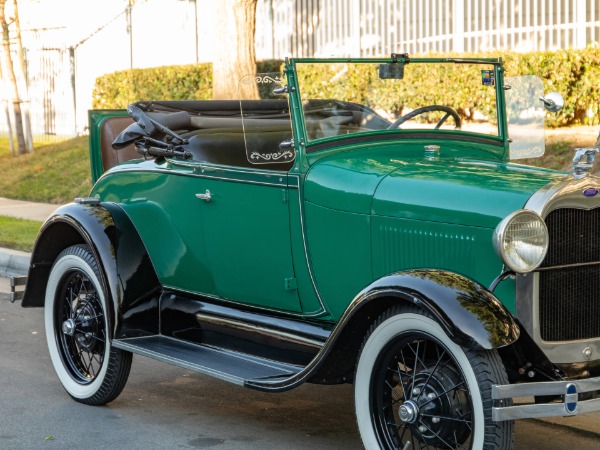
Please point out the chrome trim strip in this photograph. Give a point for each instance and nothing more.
(199, 174)
(233, 302)
(256, 328)
(569, 406)
(568, 266)
(565, 193)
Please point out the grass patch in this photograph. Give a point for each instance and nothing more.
(53, 173)
(560, 148)
(18, 234)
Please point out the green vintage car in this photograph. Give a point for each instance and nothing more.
(353, 224)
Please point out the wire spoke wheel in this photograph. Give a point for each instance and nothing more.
(415, 388)
(81, 327)
(419, 396)
(77, 330)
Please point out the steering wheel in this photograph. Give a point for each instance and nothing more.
(416, 112)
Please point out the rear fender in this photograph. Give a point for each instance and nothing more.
(126, 269)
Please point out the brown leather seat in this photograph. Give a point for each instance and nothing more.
(110, 129)
(225, 146)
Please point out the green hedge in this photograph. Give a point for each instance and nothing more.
(188, 82)
(118, 89)
(573, 73)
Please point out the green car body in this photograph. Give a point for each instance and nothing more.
(297, 266)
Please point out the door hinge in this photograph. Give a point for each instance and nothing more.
(289, 284)
(284, 195)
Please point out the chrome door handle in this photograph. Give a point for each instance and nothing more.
(206, 196)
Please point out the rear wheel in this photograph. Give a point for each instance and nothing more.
(416, 388)
(78, 333)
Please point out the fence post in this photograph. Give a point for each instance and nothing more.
(458, 26)
(355, 28)
(580, 29)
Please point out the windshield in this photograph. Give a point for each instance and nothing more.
(525, 114)
(349, 98)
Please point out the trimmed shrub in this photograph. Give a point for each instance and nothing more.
(573, 73)
(118, 89)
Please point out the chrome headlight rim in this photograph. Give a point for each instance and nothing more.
(500, 234)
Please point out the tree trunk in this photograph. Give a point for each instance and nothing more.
(235, 57)
(22, 75)
(9, 75)
(597, 144)
(8, 120)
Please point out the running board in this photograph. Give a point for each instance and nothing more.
(237, 368)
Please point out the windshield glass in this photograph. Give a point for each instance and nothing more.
(266, 124)
(525, 113)
(359, 97)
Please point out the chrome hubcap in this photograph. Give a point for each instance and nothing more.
(409, 412)
(68, 327)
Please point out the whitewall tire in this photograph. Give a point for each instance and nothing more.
(78, 330)
(414, 386)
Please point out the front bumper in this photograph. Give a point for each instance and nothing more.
(569, 390)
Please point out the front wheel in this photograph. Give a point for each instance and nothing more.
(416, 388)
(77, 330)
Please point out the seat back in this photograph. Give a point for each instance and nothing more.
(110, 129)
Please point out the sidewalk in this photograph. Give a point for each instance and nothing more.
(13, 262)
(26, 210)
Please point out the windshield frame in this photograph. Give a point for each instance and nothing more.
(307, 146)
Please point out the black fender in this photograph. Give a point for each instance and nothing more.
(126, 269)
(470, 314)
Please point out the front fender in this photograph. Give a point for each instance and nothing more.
(126, 269)
(469, 313)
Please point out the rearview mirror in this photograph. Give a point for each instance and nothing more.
(553, 102)
(393, 71)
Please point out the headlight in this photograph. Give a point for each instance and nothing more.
(521, 240)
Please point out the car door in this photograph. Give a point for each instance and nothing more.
(246, 228)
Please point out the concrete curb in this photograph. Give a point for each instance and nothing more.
(13, 262)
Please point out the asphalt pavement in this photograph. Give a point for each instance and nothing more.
(167, 407)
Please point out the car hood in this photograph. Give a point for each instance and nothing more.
(460, 191)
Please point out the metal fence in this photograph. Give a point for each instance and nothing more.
(50, 98)
(62, 73)
(380, 27)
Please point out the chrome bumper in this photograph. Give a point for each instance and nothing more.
(14, 294)
(569, 390)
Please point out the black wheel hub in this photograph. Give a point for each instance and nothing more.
(435, 399)
(80, 327)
